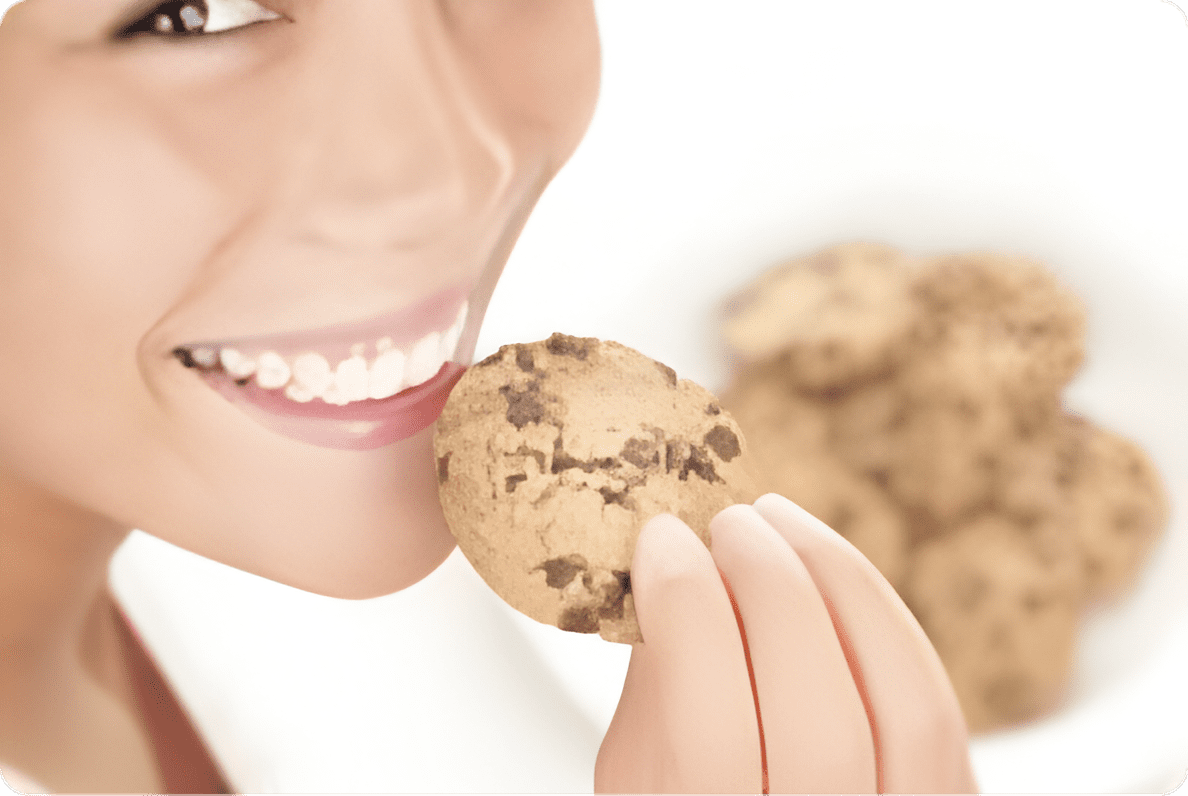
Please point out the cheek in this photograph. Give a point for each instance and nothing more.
(98, 232)
(98, 206)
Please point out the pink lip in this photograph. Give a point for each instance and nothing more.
(362, 425)
(359, 425)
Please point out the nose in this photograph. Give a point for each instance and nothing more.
(391, 141)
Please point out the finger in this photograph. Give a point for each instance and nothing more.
(921, 742)
(815, 727)
(686, 720)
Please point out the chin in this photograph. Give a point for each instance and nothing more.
(344, 524)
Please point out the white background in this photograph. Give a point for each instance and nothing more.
(730, 136)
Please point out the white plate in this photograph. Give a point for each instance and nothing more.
(732, 135)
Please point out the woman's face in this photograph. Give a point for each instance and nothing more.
(314, 189)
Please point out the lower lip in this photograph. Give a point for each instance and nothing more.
(358, 426)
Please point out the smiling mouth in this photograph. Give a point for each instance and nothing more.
(353, 387)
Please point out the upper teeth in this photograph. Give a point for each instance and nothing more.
(310, 375)
(236, 363)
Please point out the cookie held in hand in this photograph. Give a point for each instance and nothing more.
(552, 455)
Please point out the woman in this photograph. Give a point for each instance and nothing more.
(216, 218)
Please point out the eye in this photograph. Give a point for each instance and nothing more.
(197, 17)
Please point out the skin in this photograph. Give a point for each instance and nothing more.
(341, 163)
(852, 696)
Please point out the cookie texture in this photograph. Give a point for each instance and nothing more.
(914, 404)
(552, 455)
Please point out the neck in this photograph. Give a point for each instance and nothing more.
(63, 692)
(53, 571)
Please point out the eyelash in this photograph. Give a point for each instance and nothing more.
(182, 19)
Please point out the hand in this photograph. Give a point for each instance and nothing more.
(849, 695)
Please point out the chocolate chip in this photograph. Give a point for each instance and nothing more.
(579, 620)
(613, 594)
(538, 456)
(672, 456)
(724, 442)
(560, 571)
(624, 580)
(564, 461)
(713, 409)
(512, 481)
(443, 468)
(640, 452)
(523, 406)
(524, 359)
(969, 592)
(1010, 694)
(612, 609)
(564, 345)
(1033, 601)
(699, 464)
(1127, 519)
(843, 519)
(610, 496)
(825, 263)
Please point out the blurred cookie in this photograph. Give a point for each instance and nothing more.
(1001, 608)
(552, 455)
(1036, 474)
(1101, 487)
(849, 504)
(1120, 508)
(788, 451)
(998, 322)
(761, 398)
(936, 456)
(914, 405)
(835, 318)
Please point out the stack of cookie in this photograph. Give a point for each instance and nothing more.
(914, 406)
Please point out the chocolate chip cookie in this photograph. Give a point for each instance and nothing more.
(552, 455)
